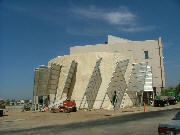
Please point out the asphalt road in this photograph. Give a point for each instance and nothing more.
(130, 124)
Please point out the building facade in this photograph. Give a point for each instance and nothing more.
(117, 74)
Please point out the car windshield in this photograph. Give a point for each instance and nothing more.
(177, 116)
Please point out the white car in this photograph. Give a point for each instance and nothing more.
(171, 127)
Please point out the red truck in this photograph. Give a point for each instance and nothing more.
(67, 106)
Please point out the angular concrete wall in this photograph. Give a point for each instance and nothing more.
(46, 80)
(85, 66)
(93, 86)
(66, 63)
(68, 84)
(54, 78)
(117, 85)
(41, 79)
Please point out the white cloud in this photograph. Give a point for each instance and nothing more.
(121, 16)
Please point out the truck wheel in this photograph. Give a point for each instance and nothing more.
(67, 110)
(162, 104)
(74, 109)
(155, 104)
(174, 102)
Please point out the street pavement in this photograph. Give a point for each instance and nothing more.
(129, 124)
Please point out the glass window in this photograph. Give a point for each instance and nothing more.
(146, 54)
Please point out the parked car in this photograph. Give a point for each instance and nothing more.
(172, 100)
(160, 101)
(26, 107)
(171, 127)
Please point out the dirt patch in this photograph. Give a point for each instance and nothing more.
(16, 119)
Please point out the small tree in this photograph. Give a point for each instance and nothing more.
(178, 88)
(170, 88)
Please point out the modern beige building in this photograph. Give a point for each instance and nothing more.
(113, 75)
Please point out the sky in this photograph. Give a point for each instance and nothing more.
(34, 31)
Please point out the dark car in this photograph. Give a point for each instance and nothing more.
(27, 107)
(171, 127)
